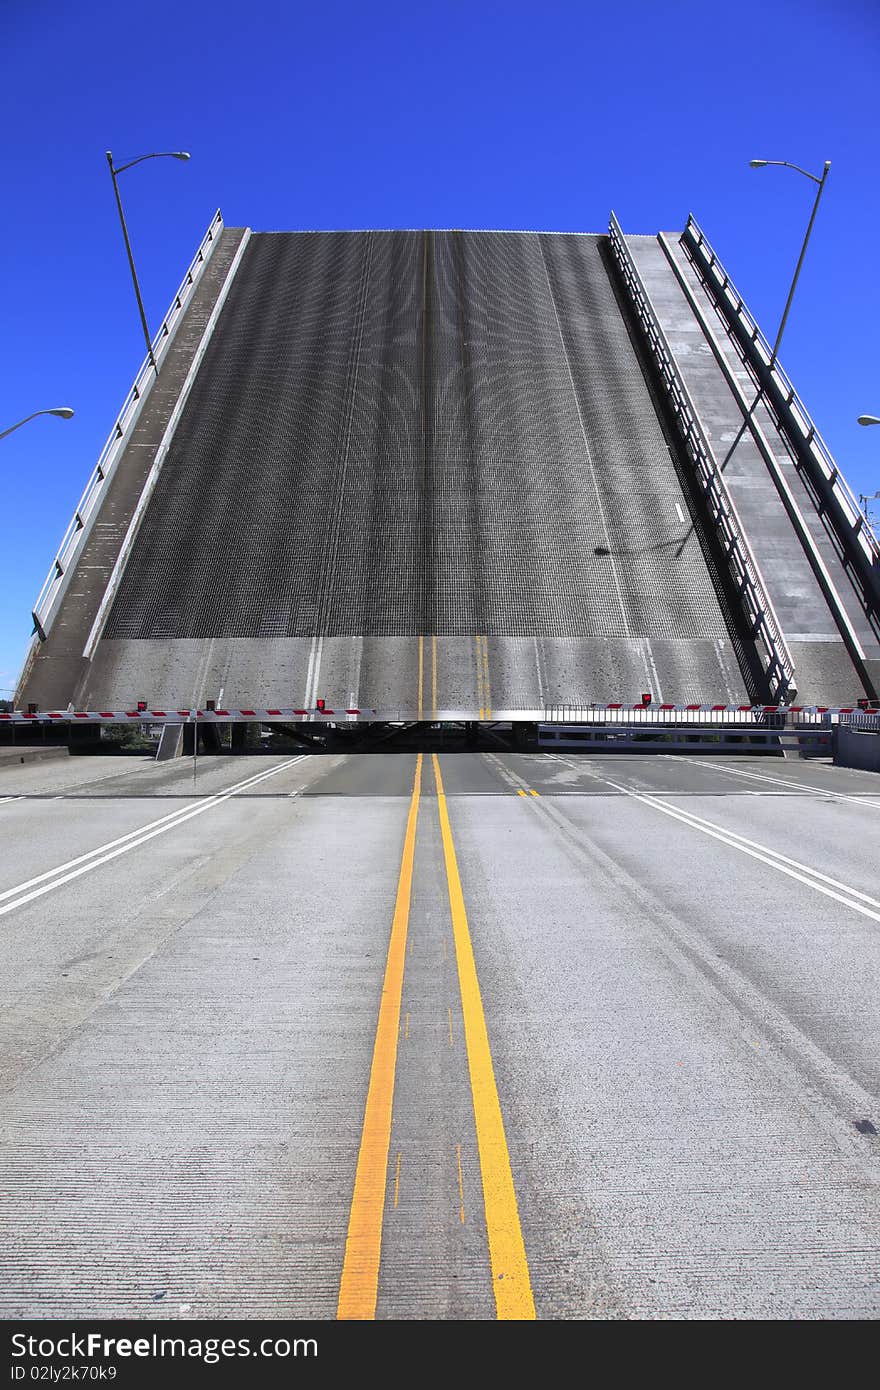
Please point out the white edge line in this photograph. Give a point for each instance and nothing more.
(763, 852)
(782, 782)
(133, 838)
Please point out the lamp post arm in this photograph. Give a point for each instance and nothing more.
(137, 290)
(821, 183)
(158, 154)
(32, 417)
(786, 164)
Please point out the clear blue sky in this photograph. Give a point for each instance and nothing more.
(483, 115)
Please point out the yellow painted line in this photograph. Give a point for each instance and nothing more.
(533, 793)
(460, 1184)
(511, 1283)
(488, 690)
(421, 670)
(481, 694)
(520, 792)
(433, 677)
(359, 1283)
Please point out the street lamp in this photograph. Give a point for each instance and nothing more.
(166, 154)
(783, 163)
(866, 497)
(64, 411)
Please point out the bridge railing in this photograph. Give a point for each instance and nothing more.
(827, 484)
(612, 715)
(747, 578)
(86, 510)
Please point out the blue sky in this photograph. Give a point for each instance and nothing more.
(483, 115)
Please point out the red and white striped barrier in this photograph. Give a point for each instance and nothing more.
(351, 714)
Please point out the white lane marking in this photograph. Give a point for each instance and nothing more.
(657, 688)
(781, 862)
(4, 799)
(94, 857)
(680, 512)
(313, 674)
(310, 668)
(779, 781)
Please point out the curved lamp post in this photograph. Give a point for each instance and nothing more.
(64, 411)
(114, 173)
(866, 497)
(783, 163)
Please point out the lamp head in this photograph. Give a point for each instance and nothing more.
(869, 419)
(758, 163)
(64, 411)
(179, 154)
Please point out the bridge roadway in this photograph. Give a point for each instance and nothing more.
(673, 962)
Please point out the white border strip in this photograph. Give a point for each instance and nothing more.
(87, 508)
(153, 475)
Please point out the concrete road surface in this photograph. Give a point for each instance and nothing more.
(466, 1037)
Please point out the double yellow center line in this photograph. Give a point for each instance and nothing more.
(358, 1289)
(421, 691)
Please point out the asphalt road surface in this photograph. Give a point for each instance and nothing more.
(470, 1037)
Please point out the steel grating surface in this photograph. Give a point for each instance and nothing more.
(396, 433)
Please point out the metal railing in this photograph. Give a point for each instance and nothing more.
(697, 716)
(747, 578)
(793, 416)
(86, 510)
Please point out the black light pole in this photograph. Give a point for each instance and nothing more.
(169, 154)
(783, 163)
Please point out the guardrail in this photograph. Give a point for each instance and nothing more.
(828, 485)
(744, 716)
(747, 578)
(81, 522)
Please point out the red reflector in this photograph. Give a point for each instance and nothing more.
(183, 711)
(667, 706)
(352, 711)
(222, 711)
(846, 709)
(614, 706)
(80, 716)
(300, 711)
(821, 709)
(273, 711)
(744, 709)
(108, 714)
(326, 711)
(5, 716)
(54, 716)
(796, 709)
(719, 707)
(693, 706)
(33, 716)
(160, 713)
(770, 709)
(247, 711)
(132, 714)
